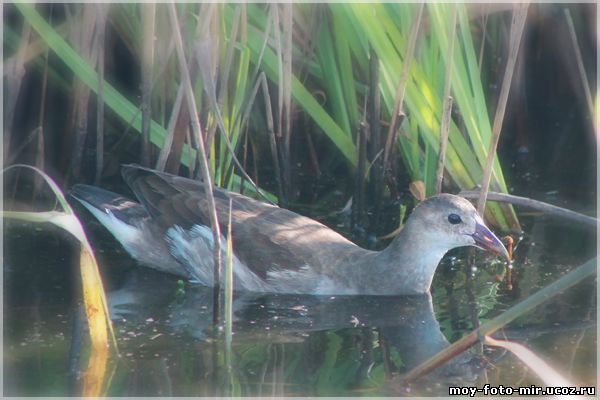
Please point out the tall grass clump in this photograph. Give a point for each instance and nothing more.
(259, 72)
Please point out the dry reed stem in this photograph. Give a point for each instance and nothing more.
(550, 209)
(543, 370)
(374, 125)
(271, 132)
(518, 23)
(204, 55)
(360, 177)
(40, 150)
(485, 15)
(392, 133)
(266, 34)
(100, 40)
(287, 46)
(282, 31)
(14, 154)
(33, 50)
(584, 80)
(148, 12)
(165, 150)
(83, 38)
(447, 108)
(201, 154)
(14, 78)
(575, 276)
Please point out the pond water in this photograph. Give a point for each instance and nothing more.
(321, 346)
(289, 345)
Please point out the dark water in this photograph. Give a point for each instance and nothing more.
(287, 344)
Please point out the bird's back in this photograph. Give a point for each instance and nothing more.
(266, 238)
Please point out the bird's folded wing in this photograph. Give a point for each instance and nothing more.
(265, 237)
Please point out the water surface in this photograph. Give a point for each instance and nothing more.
(289, 345)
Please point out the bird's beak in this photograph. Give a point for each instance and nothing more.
(485, 239)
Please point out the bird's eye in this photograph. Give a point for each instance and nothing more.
(454, 219)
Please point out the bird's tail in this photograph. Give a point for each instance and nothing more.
(100, 201)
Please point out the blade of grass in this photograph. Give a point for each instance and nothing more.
(201, 56)
(67, 220)
(341, 33)
(300, 93)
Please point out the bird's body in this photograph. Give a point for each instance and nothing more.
(275, 250)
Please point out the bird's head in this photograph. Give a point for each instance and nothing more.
(452, 221)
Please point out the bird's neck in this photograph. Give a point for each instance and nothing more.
(406, 266)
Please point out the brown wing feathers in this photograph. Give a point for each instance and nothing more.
(173, 200)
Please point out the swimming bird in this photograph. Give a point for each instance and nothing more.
(274, 249)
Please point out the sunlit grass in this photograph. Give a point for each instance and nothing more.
(245, 42)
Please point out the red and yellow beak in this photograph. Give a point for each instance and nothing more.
(486, 240)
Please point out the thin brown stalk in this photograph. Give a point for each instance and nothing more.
(203, 52)
(14, 154)
(484, 15)
(518, 23)
(40, 151)
(271, 132)
(278, 51)
(181, 131)
(163, 89)
(34, 49)
(579, 59)
(244, 159)
(444, 131)
(374, 115)
(566, 281)
(312, 153)
(360, 177)
(392, 134)
(225, 70)
(14, 81)
(542, 369)
(241, 118)
(385, 354)
(148, 27)
(249, 101)
(166, 148)
(282, 29)
(193, 162)
(287, 45)
(100, 40)
(261, 54)
(201, 154)
(447, 113)
(83, 34)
